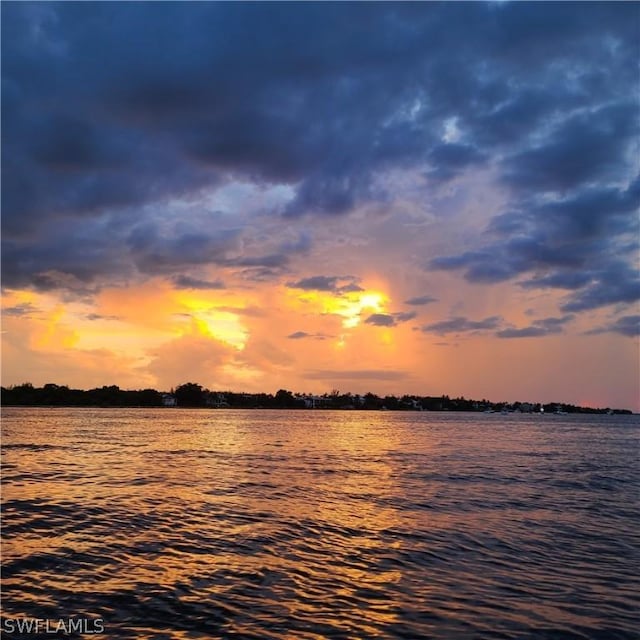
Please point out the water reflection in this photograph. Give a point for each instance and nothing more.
(319, 524)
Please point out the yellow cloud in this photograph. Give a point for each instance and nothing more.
(54, 334)
(349, 305)
(225, 326)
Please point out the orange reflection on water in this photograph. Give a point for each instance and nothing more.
(191, 509)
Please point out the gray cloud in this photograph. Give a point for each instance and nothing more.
(526, 332)
(334, 284)
(100, 316)
(420, 300)
(625, 326)
(20, 310)
(390, 320)
(187, 282)
(538, 329)
(559, 280)
(269, 260)
(381, 320)
(299, 335)
(405, 316)
(460, 324)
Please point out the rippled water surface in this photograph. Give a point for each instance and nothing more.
(316, 524)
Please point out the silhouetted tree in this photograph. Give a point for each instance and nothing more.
(190, 394)
(284, 399)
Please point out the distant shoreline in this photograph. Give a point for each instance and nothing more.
(588, 411)
(192, 395)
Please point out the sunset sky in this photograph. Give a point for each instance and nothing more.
(398, 198)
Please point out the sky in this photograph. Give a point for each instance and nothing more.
(417, 198)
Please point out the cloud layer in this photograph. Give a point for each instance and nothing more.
(109, 107)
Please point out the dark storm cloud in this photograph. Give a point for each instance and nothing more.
(539, 328)
(521, 113)
(613, 281)
(564, 231)
(460, 324)
(64, 256)
(585, 214)
(616, 283)
(585, 147)
(584, 242)
(110, 107)
(559, 280)
(480, 266)
(156, 253)
(449, 159)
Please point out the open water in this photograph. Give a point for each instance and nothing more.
(170, 523)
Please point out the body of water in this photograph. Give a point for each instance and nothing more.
(168, 523)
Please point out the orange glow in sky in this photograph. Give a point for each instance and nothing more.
(153, 335)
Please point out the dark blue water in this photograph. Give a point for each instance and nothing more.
(308, 525)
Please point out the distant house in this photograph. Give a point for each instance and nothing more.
(169, 400)
(216, 401)
(412, 404)
(311, 402)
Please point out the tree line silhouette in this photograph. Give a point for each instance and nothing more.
(192, 394)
